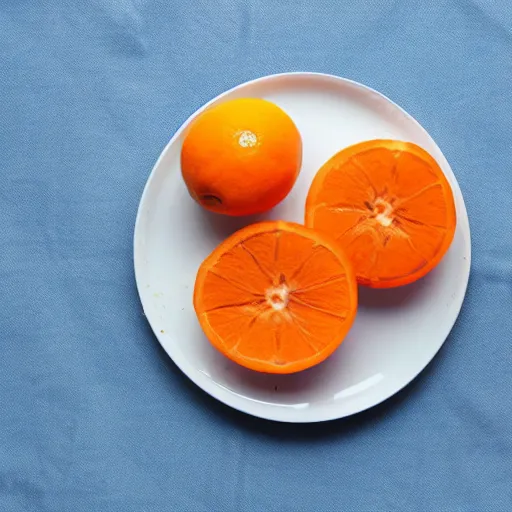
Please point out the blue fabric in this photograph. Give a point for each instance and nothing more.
(94, 416)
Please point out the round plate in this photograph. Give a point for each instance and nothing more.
(396, 333)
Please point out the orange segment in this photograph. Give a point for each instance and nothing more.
(389, 205)
(276, 297)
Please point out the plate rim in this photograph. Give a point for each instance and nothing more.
(217, 390)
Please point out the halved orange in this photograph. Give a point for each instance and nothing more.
(276, 297)
(389, 205)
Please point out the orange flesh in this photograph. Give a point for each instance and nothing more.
(389, 205)
(276, 297)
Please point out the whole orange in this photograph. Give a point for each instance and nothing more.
(241, 157)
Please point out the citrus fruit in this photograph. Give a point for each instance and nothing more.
(276, 297)
(389, 205)
(241, 157)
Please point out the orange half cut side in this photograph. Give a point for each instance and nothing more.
(389, 205)
(276, 297)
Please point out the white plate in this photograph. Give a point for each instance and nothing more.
(396, 333)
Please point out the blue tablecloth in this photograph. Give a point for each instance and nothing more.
(94, 416)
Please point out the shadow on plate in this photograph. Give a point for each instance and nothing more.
(222, 226)
(370, 298)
